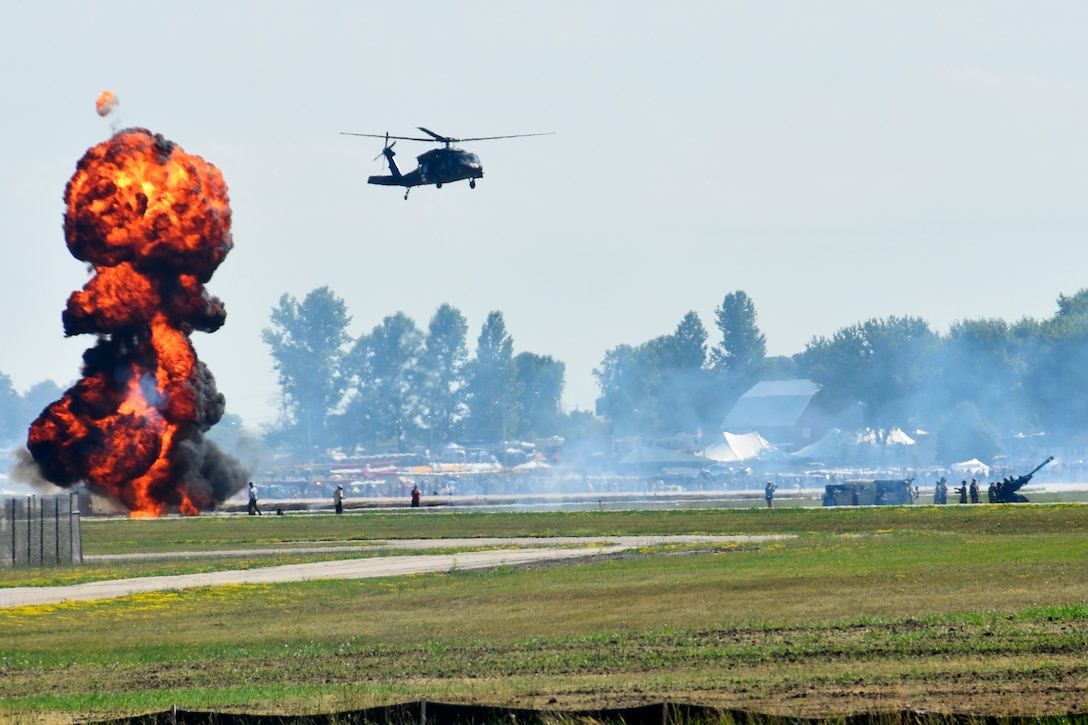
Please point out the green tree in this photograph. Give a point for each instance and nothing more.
(492, 384)
(1055, 383)
(540, 381)
(308, 340)
(659, 386)
(685, 350)
(743, 346)
(883, 363)
(627, 378)
(739, 361)
(384, 370)
(442, 375)
(680, 395)
(1073, 306)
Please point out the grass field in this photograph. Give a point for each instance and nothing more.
(975, 609)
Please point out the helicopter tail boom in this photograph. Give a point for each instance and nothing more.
(397, 180)
(389, 153)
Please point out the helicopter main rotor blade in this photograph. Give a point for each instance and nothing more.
(516, 135)
(439, 137)
(386, 136)
(451, 139)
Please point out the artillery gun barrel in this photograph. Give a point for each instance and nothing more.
(1036, 469)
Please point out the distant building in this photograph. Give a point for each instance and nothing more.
(782, 411)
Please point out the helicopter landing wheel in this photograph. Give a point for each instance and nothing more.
(472, 183)
(438, 185)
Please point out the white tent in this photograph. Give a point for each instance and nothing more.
(736, 447)
(861, 446)
(897, 437)
(973, 466)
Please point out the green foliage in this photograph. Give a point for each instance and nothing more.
(883, 363)
(307, 341)
(493, 387)
(685, 350)
(383, 367)
(1055, 380)
(442, 383)
(398, 388)
(1025, 375)
(743, 346)
(626, 377)
(660, 386)
(540, 386)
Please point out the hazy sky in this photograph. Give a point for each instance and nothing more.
(835, 160)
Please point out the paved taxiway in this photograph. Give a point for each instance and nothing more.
(511, 552)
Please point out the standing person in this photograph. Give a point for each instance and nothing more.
(975, 497)
(338, 499)
(962, 491)
(253, 510)
(415, 497)
(940, 494)
(768, 493)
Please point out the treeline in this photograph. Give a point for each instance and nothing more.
(398, 386)
(979, 384)
(983, 381)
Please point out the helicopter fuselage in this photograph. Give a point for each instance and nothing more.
(437, 166)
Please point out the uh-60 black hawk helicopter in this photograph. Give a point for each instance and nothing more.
(437, 166)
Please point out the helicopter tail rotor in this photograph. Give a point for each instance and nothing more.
(389, 153)
(387, 150)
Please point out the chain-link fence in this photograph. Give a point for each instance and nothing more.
(40, 531)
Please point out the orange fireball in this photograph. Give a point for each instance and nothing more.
(105, 103)
(154, 224)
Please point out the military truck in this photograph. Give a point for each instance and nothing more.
(871, 492)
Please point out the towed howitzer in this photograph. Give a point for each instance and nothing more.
(1007, 491)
